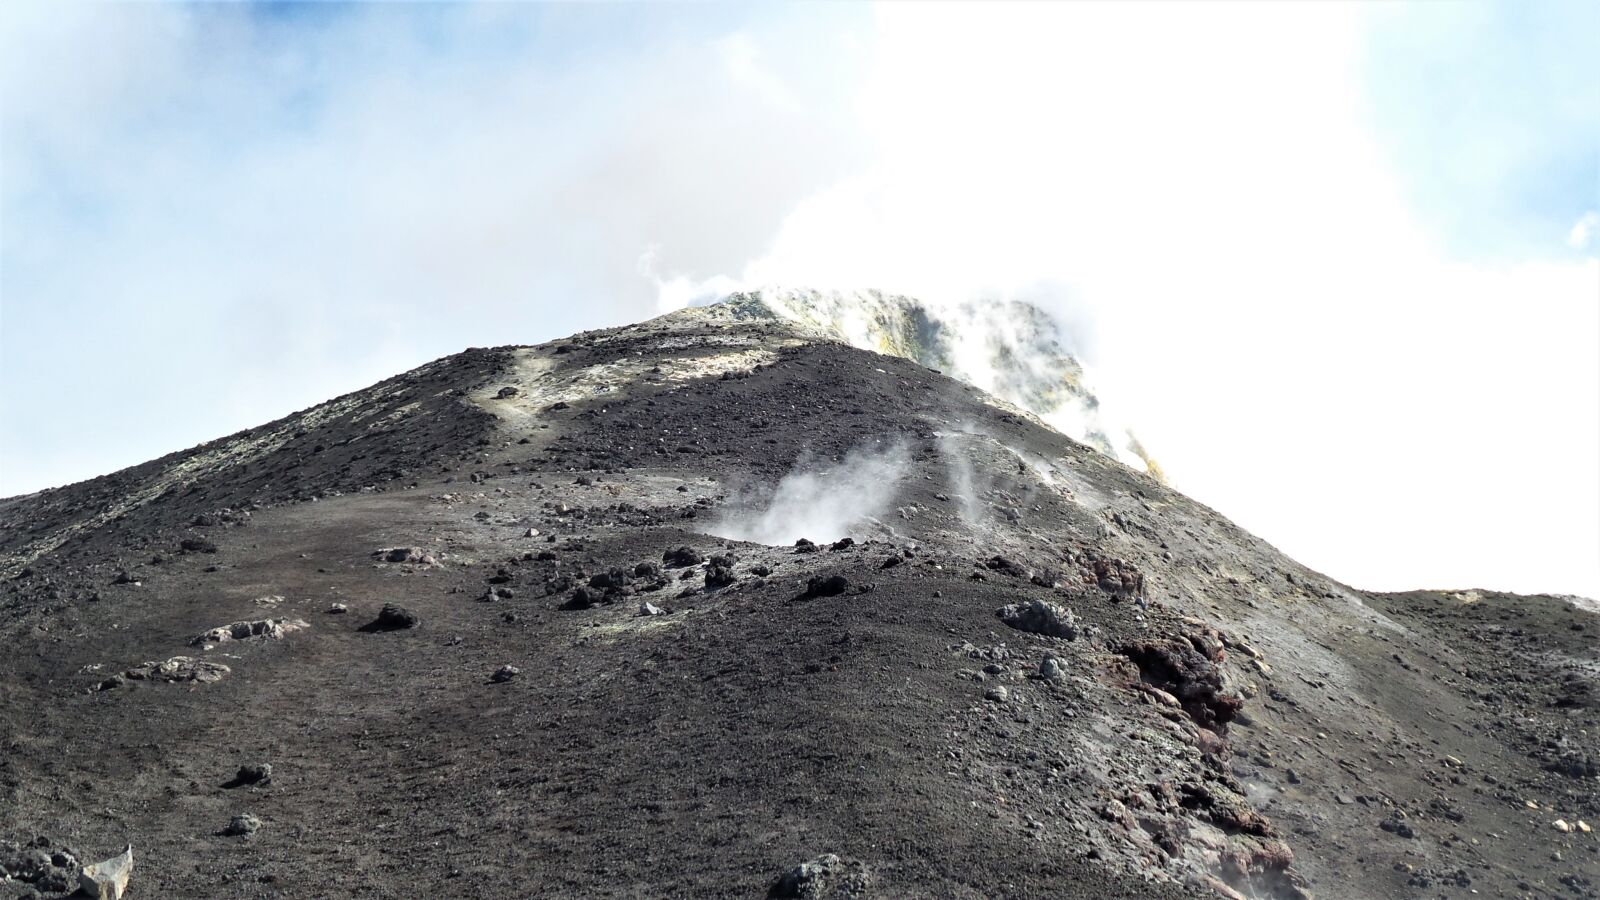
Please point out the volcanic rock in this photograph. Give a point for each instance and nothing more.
(268, 629)
(393, 618)
(828, 877)
(1040, 617)
(826, 586)
(107, 879)
(682, 557)
(242, 826)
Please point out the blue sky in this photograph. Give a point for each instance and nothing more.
(1490, 110)
(1300, 219)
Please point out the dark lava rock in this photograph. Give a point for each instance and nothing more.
(505, 392)
(613, 579)
(1575, 763)
(720, 576)
(804, 546)
(504, 674)
(1007, 566)
(1175, 666)
(1040, 617)
(682, 557)
(197, 545)
(1398, 827)
(254, 773)
(405, 555)
(828, 877)
(582, 598)
(826, 586)
(28, 865)
(647, 570)
(393, 618)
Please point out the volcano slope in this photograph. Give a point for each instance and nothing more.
(1030, 672)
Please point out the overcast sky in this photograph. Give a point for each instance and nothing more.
(1338, 265)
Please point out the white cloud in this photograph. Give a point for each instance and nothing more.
(1582, 235)
(220, 216)
(1290, 342)
(209, 221)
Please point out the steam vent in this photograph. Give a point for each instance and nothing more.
(751, 601)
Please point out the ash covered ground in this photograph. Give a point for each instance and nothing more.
(711, 606)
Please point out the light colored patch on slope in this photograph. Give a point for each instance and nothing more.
(542, 381)
(1584, 603)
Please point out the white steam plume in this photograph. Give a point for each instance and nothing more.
(960, 474)
(822, 503)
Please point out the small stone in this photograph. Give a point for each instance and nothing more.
(337, 609)
(1561, 826)
(242, 825)
(392, 618)
(254, 773)
(1398, 826)
(997, 694)
(1052, 670)
(504, 674)
(650, 609)
(531, 533)
(1584, 826)
(415, 555)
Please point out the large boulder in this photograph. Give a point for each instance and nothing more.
(270, 629)
(828, 877)
(1040, 617)
(107, 879)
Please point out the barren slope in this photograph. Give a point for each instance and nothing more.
(1212, 718)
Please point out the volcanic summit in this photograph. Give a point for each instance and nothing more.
(751, 601)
